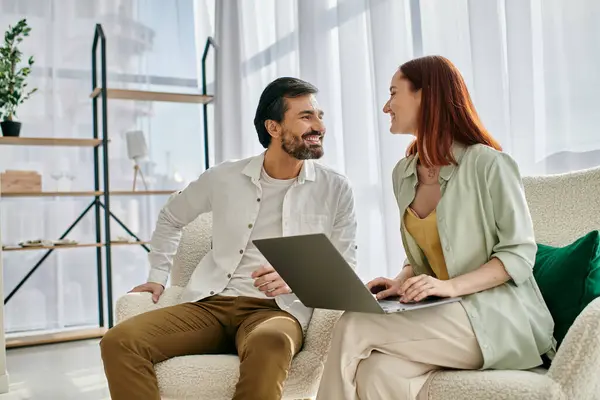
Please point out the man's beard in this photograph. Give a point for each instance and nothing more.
(297, 148)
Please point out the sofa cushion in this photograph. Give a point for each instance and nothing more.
(213, 377)
(494, 385)
(569, 279)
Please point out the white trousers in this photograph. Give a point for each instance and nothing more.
(384, 357)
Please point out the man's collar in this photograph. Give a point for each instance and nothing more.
(254, 168)
(446, 172)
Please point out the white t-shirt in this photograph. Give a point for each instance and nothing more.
(268, 224)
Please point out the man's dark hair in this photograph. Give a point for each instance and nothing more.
(272, 104)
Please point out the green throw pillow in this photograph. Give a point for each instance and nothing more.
(569, 279)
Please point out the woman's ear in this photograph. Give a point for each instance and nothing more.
(418, 96)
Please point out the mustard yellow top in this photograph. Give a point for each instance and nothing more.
(425, 233)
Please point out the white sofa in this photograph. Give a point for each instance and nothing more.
(564, 207)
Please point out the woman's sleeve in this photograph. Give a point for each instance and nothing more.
(398, 169)
(516, 246)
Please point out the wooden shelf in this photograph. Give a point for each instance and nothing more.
(40, 141)
(141, 192)
(128, 243)
(50, 194)
(65, 246)
(143, 95)
(54, 337)
(83, 194)
(71, 246)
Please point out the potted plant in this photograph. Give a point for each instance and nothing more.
(13, 88)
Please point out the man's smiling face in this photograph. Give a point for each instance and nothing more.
(303, 128)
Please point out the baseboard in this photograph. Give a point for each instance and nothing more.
(67, 335)
(4, 383)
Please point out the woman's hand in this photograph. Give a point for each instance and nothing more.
(384, 287)
(419, 287)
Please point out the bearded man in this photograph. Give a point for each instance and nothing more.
(235, 302)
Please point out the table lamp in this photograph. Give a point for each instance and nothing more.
(136, 150)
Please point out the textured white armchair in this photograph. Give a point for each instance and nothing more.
(213, 377)
(564, 207)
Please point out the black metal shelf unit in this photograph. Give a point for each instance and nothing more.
(102, 93)
(102, 193)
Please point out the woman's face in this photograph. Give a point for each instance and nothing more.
(403, 105)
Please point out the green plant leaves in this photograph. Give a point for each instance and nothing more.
(12, 78)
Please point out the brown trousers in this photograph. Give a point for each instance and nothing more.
(265, 338)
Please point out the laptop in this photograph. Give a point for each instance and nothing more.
(321, 278)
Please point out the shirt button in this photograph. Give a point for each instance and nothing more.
(447, 248)
(258, 199)
(229, 275)
(241, 251)
(212, 292)
(249, 226)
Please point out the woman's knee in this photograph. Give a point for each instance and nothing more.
(373, 375)
(367, 378)
(371, 367)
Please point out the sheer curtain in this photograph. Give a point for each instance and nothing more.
(150, 45)
(529, 65)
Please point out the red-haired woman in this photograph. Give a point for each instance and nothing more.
(467, 233)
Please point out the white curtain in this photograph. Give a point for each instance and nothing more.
(530, 66)
(152, 45)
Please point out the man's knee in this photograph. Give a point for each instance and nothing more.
(120, 338)
(271, 344)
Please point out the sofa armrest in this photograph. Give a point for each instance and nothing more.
(320, 331)
(307, 367)
(133, 304)
(576, 366)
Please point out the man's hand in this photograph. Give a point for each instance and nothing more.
(419, 287)
(267, 280)
(155, 288)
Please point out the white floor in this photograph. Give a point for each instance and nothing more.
(67, 371)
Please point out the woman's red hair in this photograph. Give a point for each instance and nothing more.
(447, 113)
